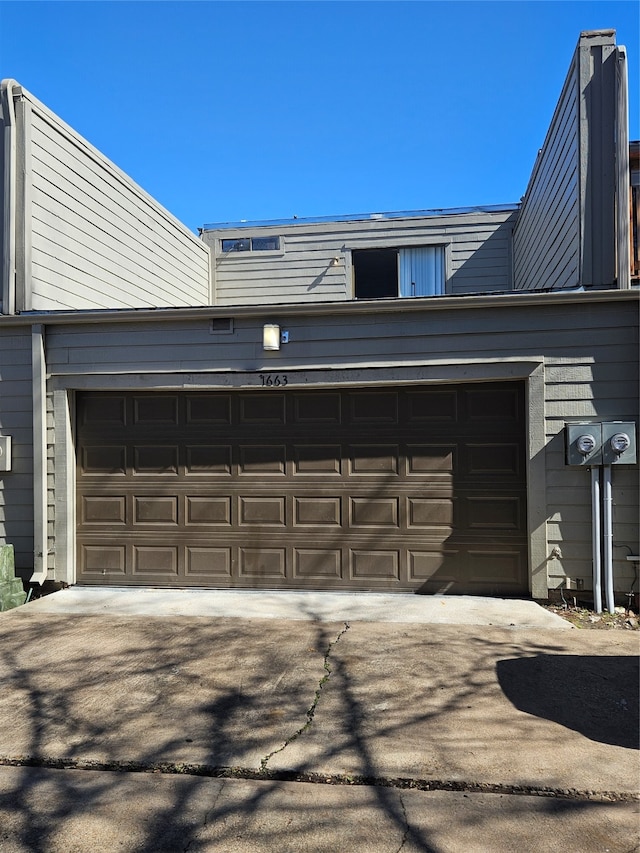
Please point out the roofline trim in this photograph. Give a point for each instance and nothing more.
(360, 217)
(288, 310)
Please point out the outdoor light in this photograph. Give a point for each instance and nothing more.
(585, 444)
(270, 336)
(620, 442)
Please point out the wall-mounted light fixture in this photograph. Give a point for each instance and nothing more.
(335, 261)
(270, 336)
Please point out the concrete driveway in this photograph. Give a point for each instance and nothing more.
(123, 730)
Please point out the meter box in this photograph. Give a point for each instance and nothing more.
(584, 444)
(619, 443)
(610, 443)
(5, 452)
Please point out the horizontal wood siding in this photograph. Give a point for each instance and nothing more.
(546, 242)
(99, 241)
(480, 257)
(590, 353)
(16, 489)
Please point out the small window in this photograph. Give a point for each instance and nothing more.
(389, 273)
(242, 245)
(251, 244)
(265, 244)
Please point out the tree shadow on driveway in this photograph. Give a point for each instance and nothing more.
(596, 696)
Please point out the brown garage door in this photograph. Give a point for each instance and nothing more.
(404, 488)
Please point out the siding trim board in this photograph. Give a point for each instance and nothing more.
(363, 306)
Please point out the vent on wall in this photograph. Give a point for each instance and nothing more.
(221, 326)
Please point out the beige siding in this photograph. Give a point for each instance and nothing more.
(97, 240)
(589, 352)
(479, 256)
(16, 490)
(546, 240)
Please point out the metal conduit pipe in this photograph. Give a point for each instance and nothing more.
(595, 538)
(39, 395)
(607, 535)
(8, 180)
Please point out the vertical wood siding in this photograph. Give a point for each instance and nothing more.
(589, 352)
(99, 241)
(546, 240)
(16, 486)
(480, 257)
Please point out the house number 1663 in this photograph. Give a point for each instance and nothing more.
(270, 379)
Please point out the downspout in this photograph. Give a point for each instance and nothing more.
(39, 391)
(9, 200)
(595, 538)
(607, 536)
(623, 249)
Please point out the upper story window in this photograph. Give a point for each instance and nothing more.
(388, 273)
(251, 244)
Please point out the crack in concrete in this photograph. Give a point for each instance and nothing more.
(338, 779)
(405, 834)
(312, 708)
(208, 812)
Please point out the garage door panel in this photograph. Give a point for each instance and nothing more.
(496, 566)
(496, 459)
(262, 563)
(430, 459)
(158, 459)
(156, 509)
(373, 459)
(261, 511)
(208, 460)
(317, 510)
(322, 459)
(155, 561)
(427, 565)
(100, 409)
(318, 564)
(493, 404)
(430, 512)
(105, 459)
(208, 409)
(208, 510)
(373, 407)
(103, 509)
(102, 558)
(374, 512)
(205, 564)
(374, 565)
(494, 513)
(155, 409)
(319, 408)
(432, 407)
(264, 408)
(262, 459)
(399, 489)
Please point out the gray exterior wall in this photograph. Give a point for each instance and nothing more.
(566, 231)
(478, 256)
(86, 235)
(16, 486)
(581, 350)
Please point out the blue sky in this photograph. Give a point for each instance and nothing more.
(258, 110)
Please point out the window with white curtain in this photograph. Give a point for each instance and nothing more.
(403, 271)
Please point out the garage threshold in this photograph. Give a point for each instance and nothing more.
(307, 605)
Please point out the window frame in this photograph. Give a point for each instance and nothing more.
(402, 243)
(250, 252)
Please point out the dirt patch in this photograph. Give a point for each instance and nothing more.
(582, 617)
